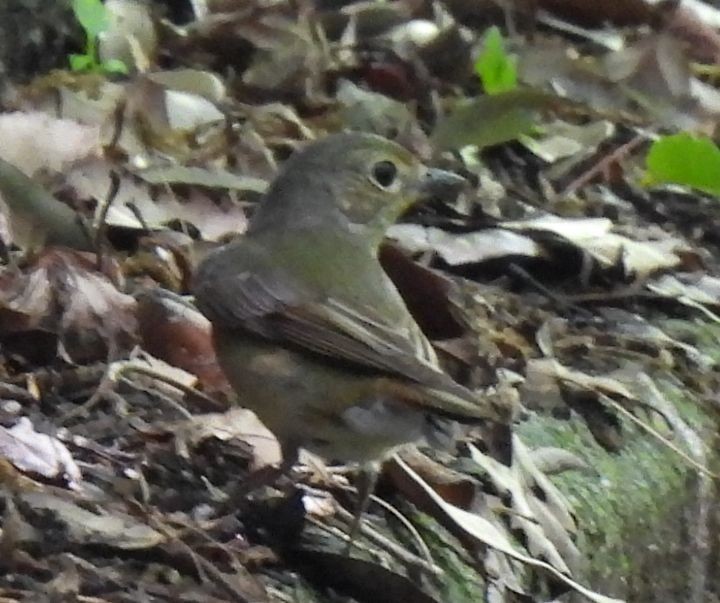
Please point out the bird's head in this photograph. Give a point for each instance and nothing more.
(363, 181)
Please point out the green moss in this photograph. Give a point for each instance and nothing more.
(460, 581)
(702, 334)
(627, 505)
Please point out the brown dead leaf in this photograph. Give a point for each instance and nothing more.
(426, 292)
(237, 423)
(455, 487)
(700, 35)
(174, 331)
(61, 292)
(205, 200)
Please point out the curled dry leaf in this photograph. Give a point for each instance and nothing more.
(173, 330)
(146, 371)
(32, 217)
(38, 453)
(111, 528)
(427, 293)
(457, 488)
(238, 423)
(61, 292)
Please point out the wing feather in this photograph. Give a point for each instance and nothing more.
(269, 303)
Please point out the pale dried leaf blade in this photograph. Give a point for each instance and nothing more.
(517, 481)
(609, 249)
(29, 450)
(467, 248)
(148, 370)
(114, 529)
(35, 216)
(193, 175)
(481, 529)
(704, 289)
(601, 384)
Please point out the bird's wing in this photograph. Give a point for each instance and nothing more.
(267, 303)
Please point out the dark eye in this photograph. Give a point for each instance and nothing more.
(384, 173)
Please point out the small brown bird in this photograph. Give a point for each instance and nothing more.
(308, 328)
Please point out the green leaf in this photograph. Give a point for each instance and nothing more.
(684, 159)
(81, 62)
(115, 66)
(489, 120)
(496, 68)
(92, 15)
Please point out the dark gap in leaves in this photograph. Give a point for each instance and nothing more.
(185, 227)
(539, 493)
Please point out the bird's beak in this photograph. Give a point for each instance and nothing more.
(440, 183)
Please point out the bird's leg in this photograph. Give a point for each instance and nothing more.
(367, 479)
(290, 455)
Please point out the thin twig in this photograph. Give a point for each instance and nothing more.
(203, 565)
(394, 549)
(101, 228)
(603, 165)
(657, 435)
(562, 302)
(186, 389)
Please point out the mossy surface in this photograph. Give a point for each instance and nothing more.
(460, 581)
(634, 507)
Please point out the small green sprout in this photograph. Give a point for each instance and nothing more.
(495, 67)
(94, 19)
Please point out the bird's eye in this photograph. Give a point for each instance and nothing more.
(384, 173)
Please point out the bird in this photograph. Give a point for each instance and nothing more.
(308, 328)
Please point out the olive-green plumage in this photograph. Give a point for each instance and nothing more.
(309, 330)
